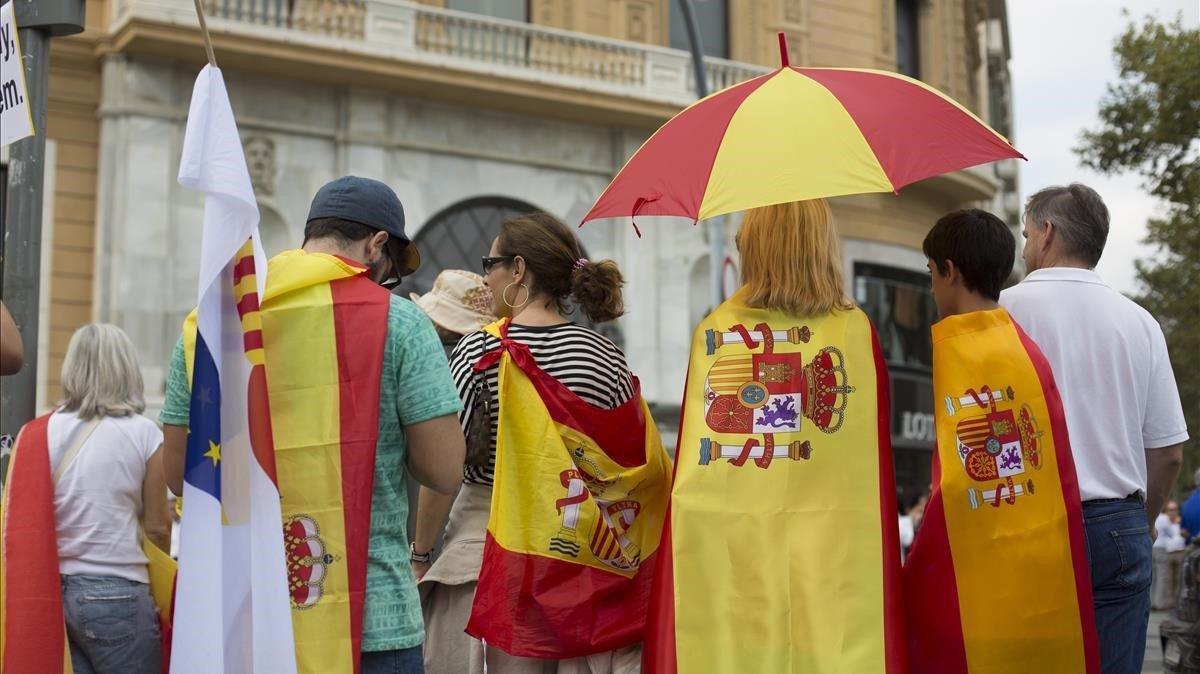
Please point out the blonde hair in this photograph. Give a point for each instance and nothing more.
(100, 375)
(791, 260)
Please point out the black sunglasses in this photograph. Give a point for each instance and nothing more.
(492, 261)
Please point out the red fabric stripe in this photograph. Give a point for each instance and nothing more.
(248, 303)
(360, 310)
(619, 432)
(34, 638)
(545, 592)
(252, 340)
(935, 643)
(658, 649)
(1071, 498)
(243, 268)
(915, 133)
(262, 441)
(670, 173)
(894, 635)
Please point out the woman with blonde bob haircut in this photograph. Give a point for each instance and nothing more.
(107, 480)
(791, 261)
(783, 445)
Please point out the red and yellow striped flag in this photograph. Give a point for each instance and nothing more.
(997, 580)
(321, 330)
(781, 550)
(577, 510)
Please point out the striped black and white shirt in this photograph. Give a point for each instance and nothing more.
(583, 360)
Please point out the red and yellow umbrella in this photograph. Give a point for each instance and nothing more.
(796, 134)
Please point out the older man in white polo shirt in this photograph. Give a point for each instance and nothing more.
(1121, 402)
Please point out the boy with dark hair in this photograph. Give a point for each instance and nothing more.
(1003, 526)
(970, 253)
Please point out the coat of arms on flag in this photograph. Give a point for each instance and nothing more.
(998, 448)
(768, 394)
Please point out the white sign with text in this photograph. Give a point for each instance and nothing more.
(16, 118)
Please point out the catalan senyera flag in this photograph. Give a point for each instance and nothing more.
(998, 579)
(781, 549)
(324, 326)
(231, 608)
(577, 511)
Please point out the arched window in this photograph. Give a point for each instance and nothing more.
(458, 236)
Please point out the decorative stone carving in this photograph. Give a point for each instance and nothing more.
(260, 159)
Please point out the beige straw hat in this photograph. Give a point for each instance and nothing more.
(459, 302)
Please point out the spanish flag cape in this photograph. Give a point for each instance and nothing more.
(781, 550)
(997, 579)
(33, 635)
(324, 324)
(577, 510)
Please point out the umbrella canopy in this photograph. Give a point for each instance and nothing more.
(796, 134)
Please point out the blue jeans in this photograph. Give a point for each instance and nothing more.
(403, 661)
(1119, 552)
(112, 626)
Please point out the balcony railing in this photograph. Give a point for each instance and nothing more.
(473, 42)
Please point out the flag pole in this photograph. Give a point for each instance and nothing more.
(212, 58)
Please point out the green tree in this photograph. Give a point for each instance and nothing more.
(1150, 126)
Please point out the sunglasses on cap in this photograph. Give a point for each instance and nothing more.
(493, 260)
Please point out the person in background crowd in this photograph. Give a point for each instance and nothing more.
(1122, 404)
(108, 487)
(1190, 513)
(534, 266)
(12, 353)
(911, 507)
(1168, 558)
(459, 304)
(332, 333)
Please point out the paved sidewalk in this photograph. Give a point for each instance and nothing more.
(1153, 663)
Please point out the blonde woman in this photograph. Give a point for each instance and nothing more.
(106, 482)
(783, 503)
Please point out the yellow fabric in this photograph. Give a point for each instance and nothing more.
(307, 436)
(998, 609)
(790, 114)
(778, 569)
(162, 570)
(537, 459)
(308, 458)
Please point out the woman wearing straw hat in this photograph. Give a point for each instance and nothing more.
(459, 304)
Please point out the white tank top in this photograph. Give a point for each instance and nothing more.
(98, 500)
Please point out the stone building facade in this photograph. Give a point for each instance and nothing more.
(473, 110)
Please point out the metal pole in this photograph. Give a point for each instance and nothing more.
(23, 233)
(37, 21)
(716, 229)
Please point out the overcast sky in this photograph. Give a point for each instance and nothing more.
(1061, 63)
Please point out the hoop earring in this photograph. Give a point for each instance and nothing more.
(520, 287)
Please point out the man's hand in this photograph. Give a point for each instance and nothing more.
(419, 570)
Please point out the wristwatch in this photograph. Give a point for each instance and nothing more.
(419, 557)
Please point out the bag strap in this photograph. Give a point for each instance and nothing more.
(81, 437)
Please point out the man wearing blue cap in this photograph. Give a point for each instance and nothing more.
(354, 248)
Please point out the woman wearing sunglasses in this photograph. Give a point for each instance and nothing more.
(535, 270)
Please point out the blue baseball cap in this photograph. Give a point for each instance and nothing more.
(370, 203)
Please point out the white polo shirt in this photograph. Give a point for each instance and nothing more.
(1110, 363)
